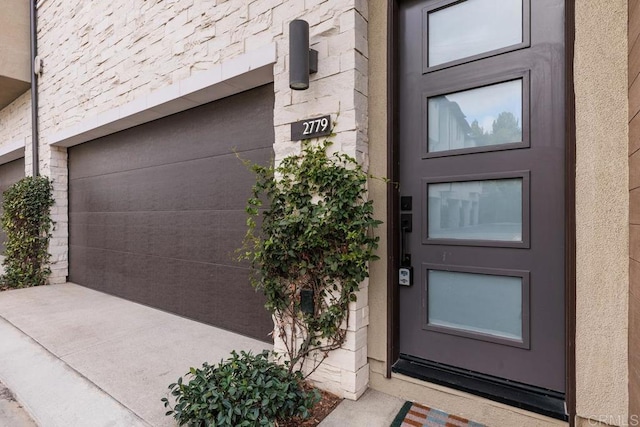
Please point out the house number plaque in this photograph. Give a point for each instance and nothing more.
(311, 128)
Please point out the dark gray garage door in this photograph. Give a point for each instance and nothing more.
(10, 173)
(157, 211)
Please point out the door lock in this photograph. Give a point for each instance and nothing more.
(405, 276)
(405, 273)
(406, 223)
(405, 203)
(406, 226)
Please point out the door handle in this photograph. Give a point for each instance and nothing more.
(405, 273)
(406, 226)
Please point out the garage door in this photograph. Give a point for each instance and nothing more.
(157, 211)
(10, 173)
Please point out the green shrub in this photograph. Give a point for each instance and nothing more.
(27, 222)
(246, 390)
(315, 238)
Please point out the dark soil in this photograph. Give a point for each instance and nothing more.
(327, 403)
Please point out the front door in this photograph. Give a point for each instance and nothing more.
(482, 170)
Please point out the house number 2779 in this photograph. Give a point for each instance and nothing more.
(315, 126)
(311, 128)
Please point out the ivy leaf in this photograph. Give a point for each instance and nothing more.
(315, 233)
(27, 222)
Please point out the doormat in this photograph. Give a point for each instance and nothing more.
(416, 415)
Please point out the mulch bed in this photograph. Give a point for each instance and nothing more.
(328, 403)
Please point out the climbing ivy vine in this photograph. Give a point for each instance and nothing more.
(27, 222)
(309, 240)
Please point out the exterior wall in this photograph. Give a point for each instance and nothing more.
(378, 101)
(98, 59)
(15, 131)
(15, 67)
(15, 121)
(340, 89)
(602, 203)
(634, 210)
(14, 40)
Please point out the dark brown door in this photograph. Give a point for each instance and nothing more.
(481, 113)
(157, 211)
(10, 173)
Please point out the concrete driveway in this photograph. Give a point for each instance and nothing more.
(76, 357)
(11, 412)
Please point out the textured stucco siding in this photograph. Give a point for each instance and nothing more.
(602, 205)
(634, 210)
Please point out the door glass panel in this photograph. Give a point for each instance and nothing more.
(473, 27)
(476, 210)
(473, 302)
(490, 115)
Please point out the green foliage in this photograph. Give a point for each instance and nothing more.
(246, 390)
(27, 222)
(315, 234)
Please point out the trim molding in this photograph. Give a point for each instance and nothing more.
(393, 195)
(233, 76)
(12, 151)
(570, 211)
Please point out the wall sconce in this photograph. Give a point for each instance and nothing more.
(307, 302)
(302, 60)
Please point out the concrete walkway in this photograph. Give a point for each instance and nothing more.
(11, 412)
(76, 357)
(373, 409)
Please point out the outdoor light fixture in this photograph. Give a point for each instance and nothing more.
(302, 60)
(307, 304)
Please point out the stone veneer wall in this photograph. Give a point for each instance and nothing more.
(15, 120)
(102, 54)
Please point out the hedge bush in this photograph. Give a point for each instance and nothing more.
(246, 390)
(27, 222)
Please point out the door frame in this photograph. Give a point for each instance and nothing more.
(393, 196)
